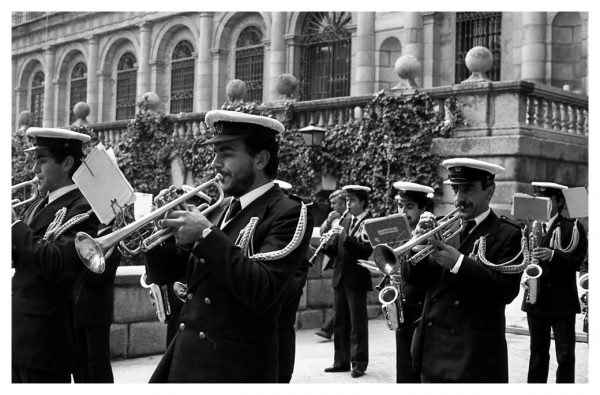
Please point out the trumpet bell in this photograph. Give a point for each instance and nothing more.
(90, 252)
(385, 259)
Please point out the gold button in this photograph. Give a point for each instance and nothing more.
(202, 335)
(207, 300)
(189, 296)
(201, 260)
(456, 302)
(429, 323)
(181, 326)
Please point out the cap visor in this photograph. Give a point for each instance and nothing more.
(457, 182)
(35, 148)
(223, 138)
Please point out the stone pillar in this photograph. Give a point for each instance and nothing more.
(277, 59)
(413, 38)
(364, 71)
(15, 96)
(143, 74)
(50, 56)
(20, 98)
(219, 76)
(431, 48)
(533, 50)
(203, 82)
(92, 79)
(61, 115)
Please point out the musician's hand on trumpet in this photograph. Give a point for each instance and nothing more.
(188, 224)
(444, 255)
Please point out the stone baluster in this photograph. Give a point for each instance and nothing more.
(555, 116)
(321, 119)
(585, 125)
(530, 110)
(564, 117)
(331, 122)
(111, 136)
(572, 119)
(580, 121)
(539, 113)
(547, 109)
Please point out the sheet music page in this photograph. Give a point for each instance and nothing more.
(527, 207)
(103, 184)
(577, 202)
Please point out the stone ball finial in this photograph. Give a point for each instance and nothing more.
(407, 67)
(236, 90)
(150, 102)
(25, 120)
(81, 110)
(479, 61)
(287, 85)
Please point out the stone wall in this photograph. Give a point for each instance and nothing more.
(136, 331)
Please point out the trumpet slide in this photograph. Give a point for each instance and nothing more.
(33, 184)
(93, 251)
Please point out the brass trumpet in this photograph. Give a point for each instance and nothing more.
(385, 255)
(33, 184)
(93, 251)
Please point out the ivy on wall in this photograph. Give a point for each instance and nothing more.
(391, 142)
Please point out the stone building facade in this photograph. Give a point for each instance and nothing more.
(59, 58)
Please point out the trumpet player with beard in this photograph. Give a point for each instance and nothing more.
(413, 200)
(46, 262)
(561, 254)
(461, 334)
(239, 261)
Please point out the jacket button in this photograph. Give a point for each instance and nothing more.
(207, 300)
(202, 335)
(456, 302)
(201, 260)
(190, 296)
(181, 326)
(429, 323)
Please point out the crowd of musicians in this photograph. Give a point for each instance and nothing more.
(235, 273)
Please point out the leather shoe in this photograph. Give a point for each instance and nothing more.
(322, 333)
(335, 369)
(357, 373)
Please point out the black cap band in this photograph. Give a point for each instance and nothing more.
(466, 174)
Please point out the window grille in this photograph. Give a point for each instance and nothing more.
(78, 88)
(249, 57)
(182, 78)
(126, 87)
(326, 54)
(478, 29)
(37, 98)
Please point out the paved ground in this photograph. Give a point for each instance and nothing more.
(313, 354)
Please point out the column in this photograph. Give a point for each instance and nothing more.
(203, 78)
(364, 71)
(16, 95)
(277, 58)
(92, 80)
(143, 75)
(533, 50)
(50, 56)
(431, 49)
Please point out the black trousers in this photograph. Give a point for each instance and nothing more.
(24, 375)
(92, 354)
(286, 336)
(563, 328)
(404, 370)
(351, 328)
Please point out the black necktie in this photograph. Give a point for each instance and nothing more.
(467, 226)
(353, 223)
(234, 208)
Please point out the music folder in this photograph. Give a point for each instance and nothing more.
(103, 184)
(577, 202)
(530, 208)
(391, 229)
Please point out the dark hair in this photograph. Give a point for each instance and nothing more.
(60, 154)
(487, 182)
(363, 196)
(258, 143)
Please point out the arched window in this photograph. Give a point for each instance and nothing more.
(474, 29)
(37, 98)
(326, 54)
(182, 78)
(126, 86)
(78, 88)
(249, 54)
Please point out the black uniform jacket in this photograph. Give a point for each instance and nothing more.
(228, 330)
(42, 335)
(558, 282)
(461, 336)
(347, 251)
